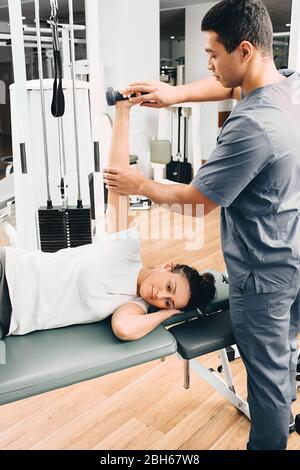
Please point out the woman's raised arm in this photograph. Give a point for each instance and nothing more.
(118, 205)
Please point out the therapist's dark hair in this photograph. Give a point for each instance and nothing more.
(241, 20)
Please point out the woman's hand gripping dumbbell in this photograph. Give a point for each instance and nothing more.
(112, 96)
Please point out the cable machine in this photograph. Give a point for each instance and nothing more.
(29, 140)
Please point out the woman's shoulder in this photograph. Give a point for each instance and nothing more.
(131, 234)
(126, 242)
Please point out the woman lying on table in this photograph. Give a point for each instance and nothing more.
(40, 291)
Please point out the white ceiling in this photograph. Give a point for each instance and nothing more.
(279, 9)
(173, 21)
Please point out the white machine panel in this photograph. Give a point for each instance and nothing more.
(30, 188)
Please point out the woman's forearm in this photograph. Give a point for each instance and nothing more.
(119, 147)
(118, 205)
(138, 326)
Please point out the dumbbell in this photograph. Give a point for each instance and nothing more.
(112, 96)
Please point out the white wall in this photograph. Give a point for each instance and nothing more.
(294, 53)
(129, 41)
(196, 68)
(195, 55)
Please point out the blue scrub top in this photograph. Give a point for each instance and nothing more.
(254, 174)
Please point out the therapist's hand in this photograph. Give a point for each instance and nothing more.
(123, 181)
(159, 94)
(126, 104)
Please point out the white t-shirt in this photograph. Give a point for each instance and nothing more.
(75, 285)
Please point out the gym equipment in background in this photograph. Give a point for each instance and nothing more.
(139, 203)
(112, 96)
(178, 170)
(160, 156)
(58, 102)
(61, 227)
(161, 148)
(160, 152)
(136, 202)
(202, 130)
(57, 110)
(27, 133)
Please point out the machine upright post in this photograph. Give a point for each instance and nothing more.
(25, 213)
(66, 53)
(97, 98)
(96, 71)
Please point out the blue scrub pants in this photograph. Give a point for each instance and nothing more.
(266, 327)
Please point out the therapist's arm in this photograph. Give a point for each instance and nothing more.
(161, 95)
(187, 197)
(207, 89)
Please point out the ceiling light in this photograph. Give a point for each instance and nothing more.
(172, 37)
(288, 25)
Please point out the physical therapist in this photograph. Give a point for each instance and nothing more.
(254, 175)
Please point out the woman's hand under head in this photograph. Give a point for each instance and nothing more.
(163, 289)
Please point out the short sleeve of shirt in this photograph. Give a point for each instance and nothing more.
(131, 233)
(129, 242)
(139, 301)
(124, 244)
(243, 150)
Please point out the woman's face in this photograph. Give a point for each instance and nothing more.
(165, 290)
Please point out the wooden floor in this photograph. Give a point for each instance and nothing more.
(145, 407)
